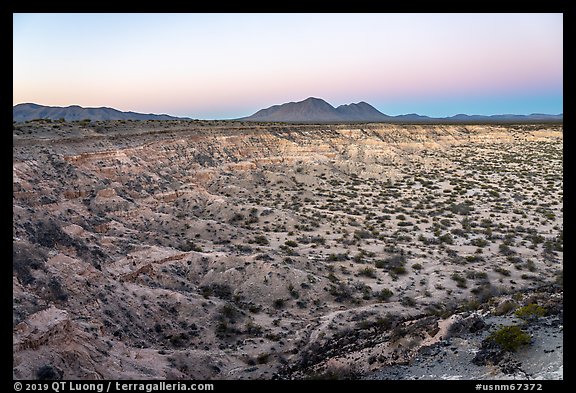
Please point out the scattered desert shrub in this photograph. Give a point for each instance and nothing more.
(340, 372)
(505, 249)
(380, 263)
(473, 258)
(337, 257)
(366, 290)
(253, 329)
(530, 311)
(229, 312)
(510, 338)
(279, 303)
(394, 261)
(190, 246)
(384, 294)
(475, 275)
(502, 271)
(341, 292)
(559, 278)
(262, 358)
(479, 242)
(398, 271)
(505, 307)
(405, 223)
(408, 301)
(461, 208)
(531, 265)
(363, 234)
(291, 243)
(446, 238)
(222, 291)
(368, 272)
(58, 293)
(261, 240)
(26, 258)
(293, 292)
(317, 240)
(236, 217)
(460, 280)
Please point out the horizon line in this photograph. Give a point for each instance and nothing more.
(291, 102)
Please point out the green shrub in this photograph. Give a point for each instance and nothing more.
(408, 301)
(461, 208)
(337, 257)
(341, 292)
(460, 280)
(473, 258)
(384, 294)
(446, 238)
(505, 249)
(380, 263)
(510, 338)
(261, 240)
(362, 234)
(389, 263)
(398, 270)
(479, 242)
(229, 312)
(530, 311)
(502, 271)
(368, 272)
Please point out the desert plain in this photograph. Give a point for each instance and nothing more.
(183, 249)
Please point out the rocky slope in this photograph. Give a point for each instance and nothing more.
(226, 250)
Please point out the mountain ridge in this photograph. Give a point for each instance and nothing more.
(31, 111)
(310, 110)
(300, 112)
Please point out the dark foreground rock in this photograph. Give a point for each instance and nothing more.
(468, 353)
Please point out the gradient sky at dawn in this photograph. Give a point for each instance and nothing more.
(218, 66)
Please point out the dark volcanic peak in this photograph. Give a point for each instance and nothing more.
(29, 111)
(310, 110)
(317, 110)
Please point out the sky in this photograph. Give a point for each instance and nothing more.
(222, 66)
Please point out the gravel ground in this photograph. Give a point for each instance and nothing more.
(451, 359)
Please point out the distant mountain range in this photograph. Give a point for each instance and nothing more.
(316, 110)
(26, 112)
(310, 110)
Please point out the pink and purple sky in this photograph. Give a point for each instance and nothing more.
(221, 66)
